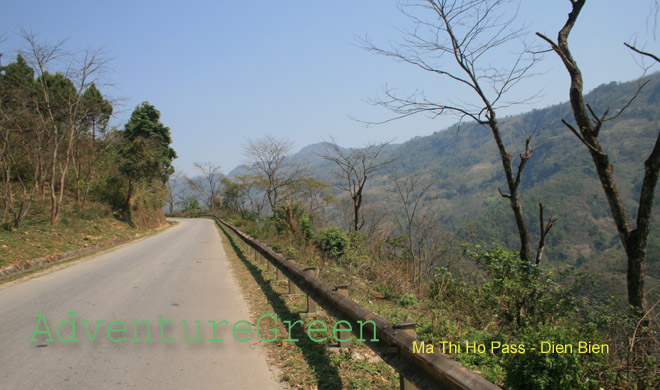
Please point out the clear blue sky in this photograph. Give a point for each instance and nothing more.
(223, 71)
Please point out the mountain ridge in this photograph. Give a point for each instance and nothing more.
(466, 169)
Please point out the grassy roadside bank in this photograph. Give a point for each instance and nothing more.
(93, 227)
(304, 364)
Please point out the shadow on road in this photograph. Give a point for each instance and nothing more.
(315, 354)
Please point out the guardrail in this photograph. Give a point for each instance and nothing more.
(394, 345)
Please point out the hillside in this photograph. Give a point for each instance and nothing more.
(467, 172)
(560, 174)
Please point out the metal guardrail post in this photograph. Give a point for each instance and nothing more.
(344, 339)
(279, 276)
(409, 329)
(269, 265)
(256, 253)
(292, 286)
(311, 304)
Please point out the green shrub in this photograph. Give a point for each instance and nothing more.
(292, 218)
(276, 246)
(332, 241)
(407, 299)
(522, 294)
(306, 226)
(537, 370)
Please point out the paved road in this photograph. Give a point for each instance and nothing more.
(181, 274)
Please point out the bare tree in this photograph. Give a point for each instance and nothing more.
(174, 182)
(250, 185)
(208, 185)
(457, 41)
(268, 158)
(60, 104)
(587, 127)
(354, 166)
(413, 221)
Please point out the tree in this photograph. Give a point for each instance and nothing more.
(232, 197)
(269, 159)
(353, 168)
(316, 195)
(249, 186)
(414, 221)
(60, 105)
(173, 190)
(458, 41)
(90, 142)
(20, 146)
(146, 152)
(586, 128)
(209, 184)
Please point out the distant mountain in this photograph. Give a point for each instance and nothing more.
(310, 159)
(467, 171)
(239, 171)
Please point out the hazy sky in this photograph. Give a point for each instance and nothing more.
(224, 71)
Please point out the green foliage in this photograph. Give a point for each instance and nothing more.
(332, 241)
(280, 220)
(231, 196)
(189, 204)
(97, 110)
(407, 299)
(147, 151)
(488, 363)
(292, 218)
(276, 246)
(537, 370)
(306, 228)
(448, 286)
(522, 294)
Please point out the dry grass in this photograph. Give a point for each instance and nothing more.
(77, 229)
(304, 364)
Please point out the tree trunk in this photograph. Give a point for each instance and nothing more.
(636, 254)
(54, 206)
(130, 202)
(635, 242)
(513, 183)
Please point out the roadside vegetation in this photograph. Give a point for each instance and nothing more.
(68, 179)
(36, 238)
(478, 294)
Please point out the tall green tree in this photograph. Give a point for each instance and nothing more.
(20, 149)
(146, 152)
(90, 140)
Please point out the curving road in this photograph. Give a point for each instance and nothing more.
(181, 274)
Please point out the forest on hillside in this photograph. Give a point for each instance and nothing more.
(57, 145)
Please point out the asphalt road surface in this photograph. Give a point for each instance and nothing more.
(181, 274)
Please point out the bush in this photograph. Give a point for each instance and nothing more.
(306, 227)
(537, 370)
(522, 294)
(292, 218)
(332, 241)
(407, 299)
(276, 246)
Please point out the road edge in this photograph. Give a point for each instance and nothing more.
(52, 263)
